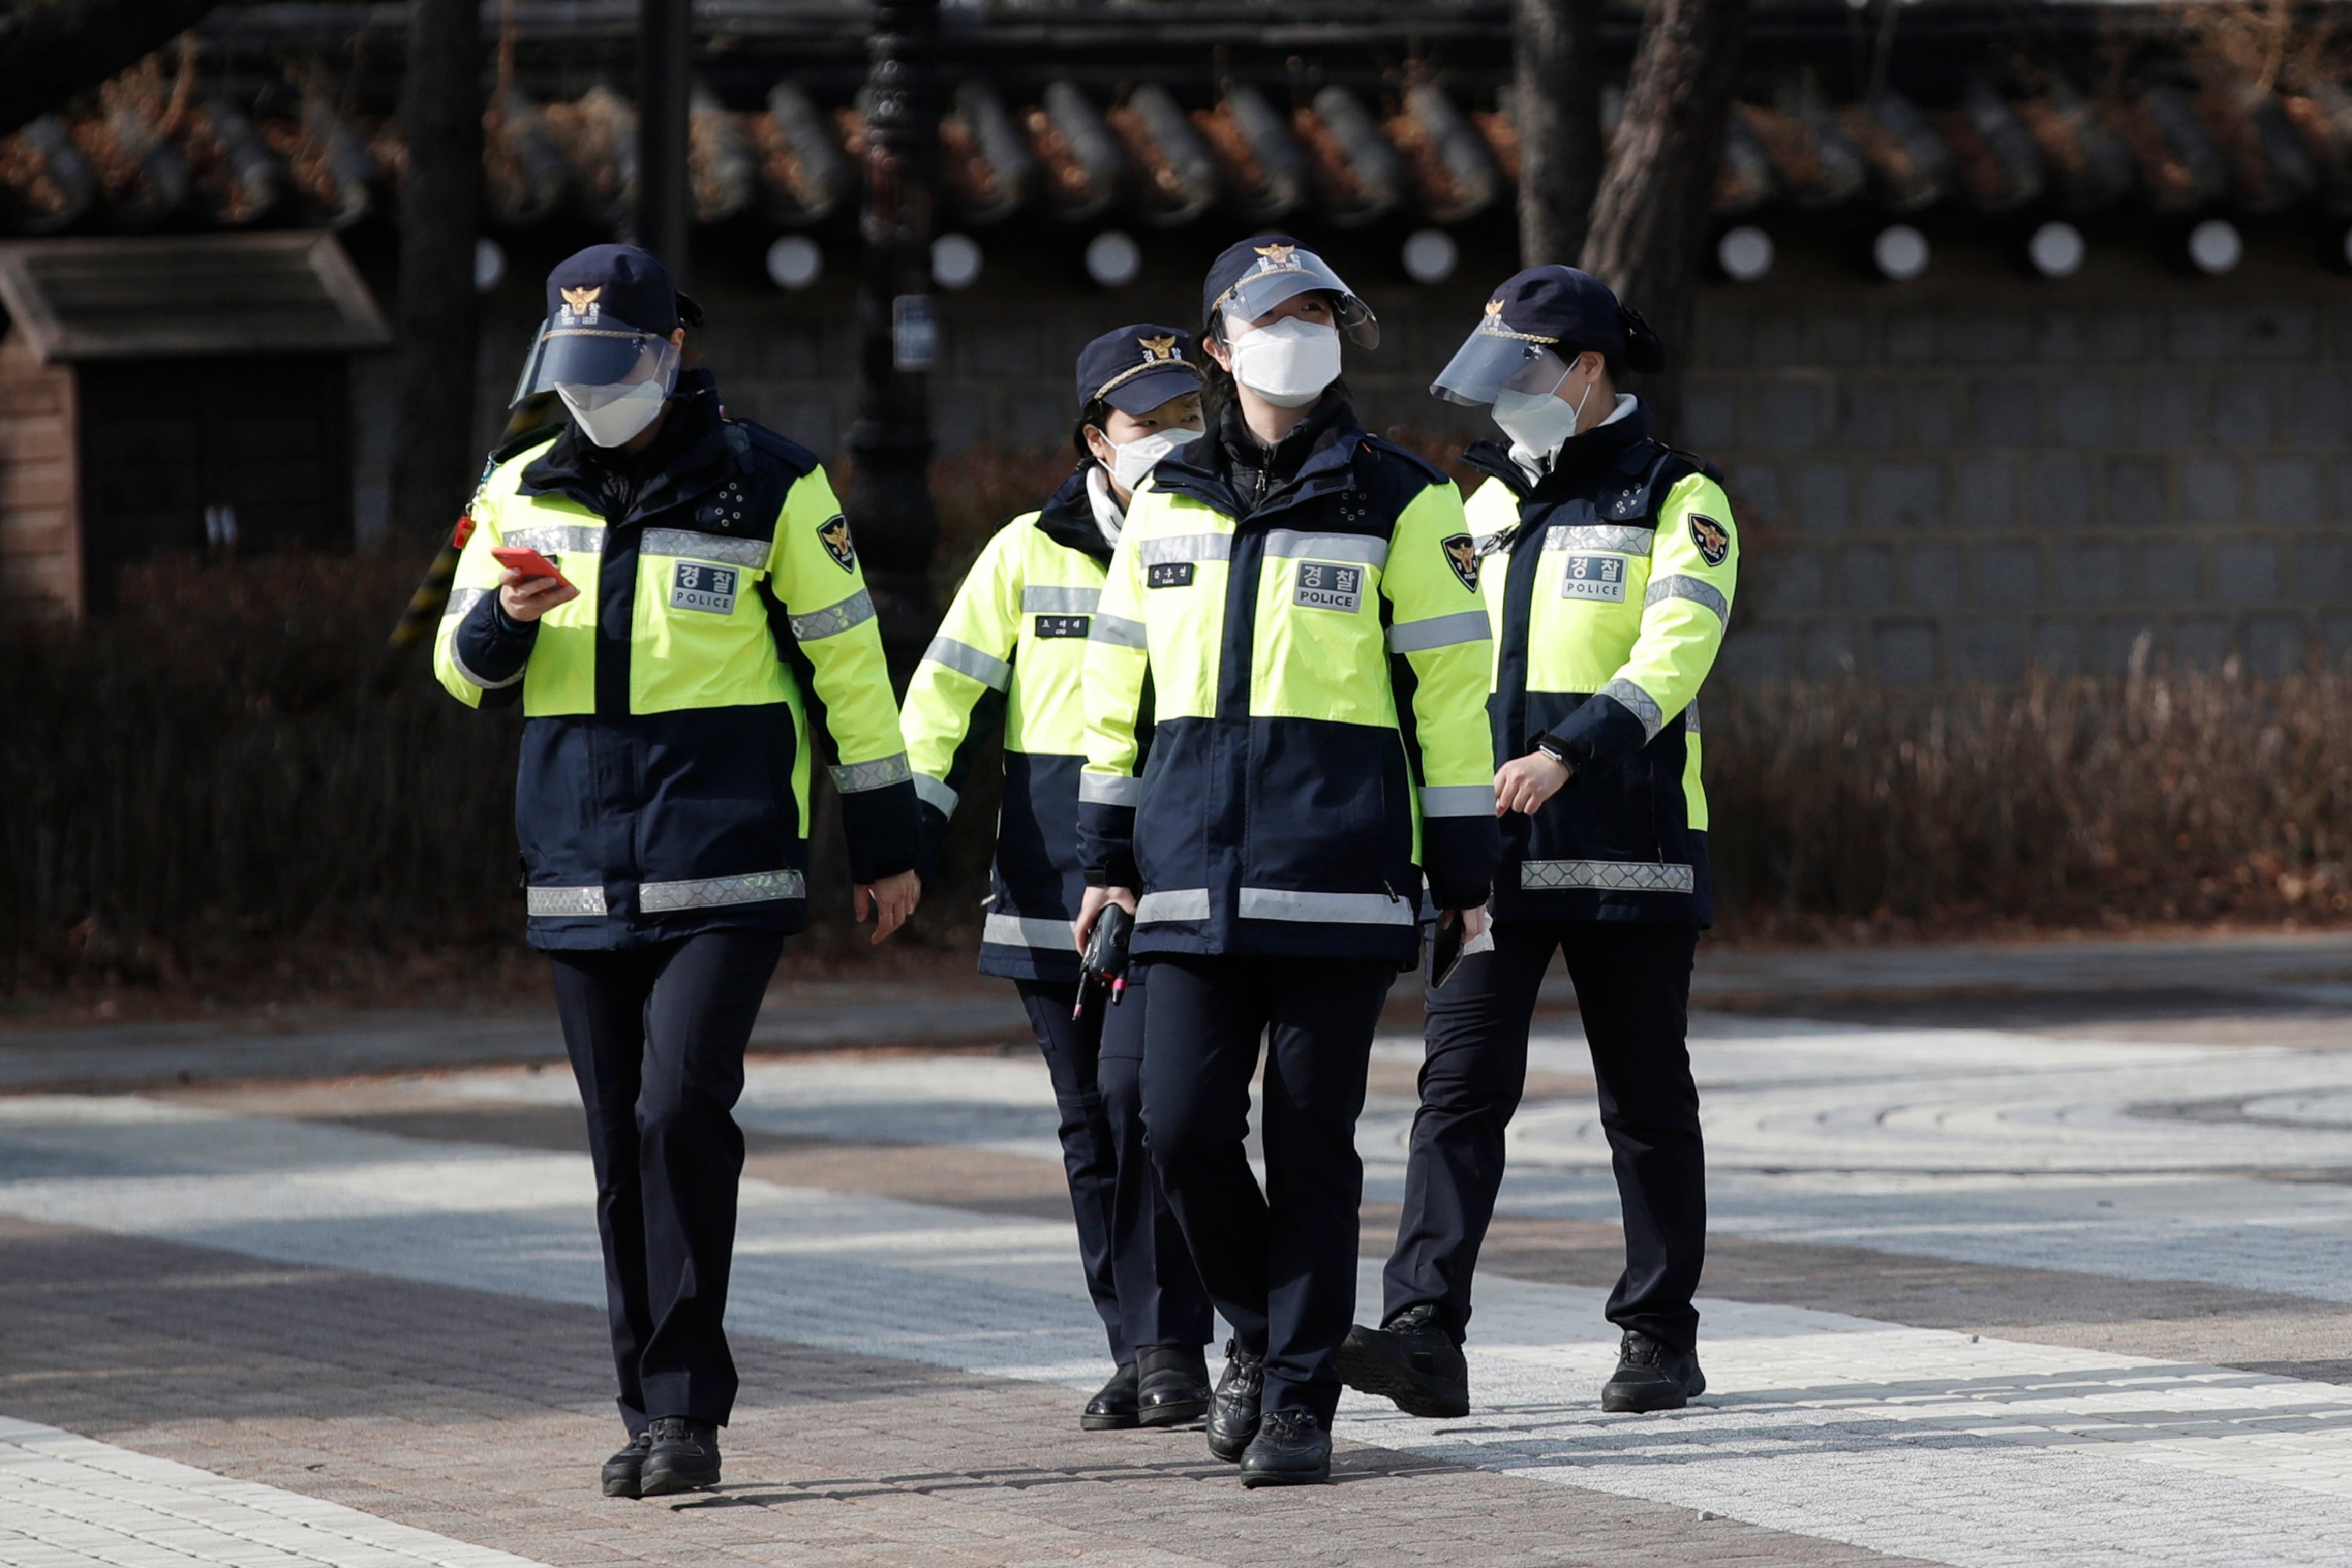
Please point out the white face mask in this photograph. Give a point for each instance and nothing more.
(1288, 362)
(614, 421)
(1131, 460)
(1539, 423)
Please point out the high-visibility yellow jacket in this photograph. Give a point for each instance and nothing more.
(1011, 652)
(1314, 668)
(665, 780)
(1610, 583)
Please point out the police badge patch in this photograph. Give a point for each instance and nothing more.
(1462, 554)
(833, 534)
(1714, 540)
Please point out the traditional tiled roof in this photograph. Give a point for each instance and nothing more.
(1158, 114)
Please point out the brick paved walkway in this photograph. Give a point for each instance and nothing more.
(1977, 1297)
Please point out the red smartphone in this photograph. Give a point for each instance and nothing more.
(530, 563)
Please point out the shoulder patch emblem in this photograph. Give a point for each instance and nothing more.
(1462, 554)
(1714, 540)
(833, 534)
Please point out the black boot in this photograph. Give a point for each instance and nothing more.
(1411, 1358)
(1291, 1449)
(1232, 1409)
(625, 1471)
(684, 1457)
(1649, 1377)
(1171, 1386)
(1112, 1409)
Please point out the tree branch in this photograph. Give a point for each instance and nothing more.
(54, 50)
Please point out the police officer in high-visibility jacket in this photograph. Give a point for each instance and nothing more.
(1010, 653)
(707, 590)
(1608, 563)
(1293, 617)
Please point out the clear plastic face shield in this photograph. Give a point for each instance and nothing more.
(1493, 361)
(613, 378)
(1285, 271)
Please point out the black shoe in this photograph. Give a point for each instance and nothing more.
(1112, 1409)
(684, 1457)
(1649, 1377)
(1412, 1360)
(1291, 1449)
(625, 1471)
(1172, 1385)
(1232, 1409)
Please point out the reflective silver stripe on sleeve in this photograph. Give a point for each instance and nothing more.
(1185, 547)
(1608, 875)
(1029, 930)
(1637, 702)
(834, 619)
(1177, 904)
(1109, 789)
(551, 903)
(856, 778)
(965, 659)
(457, 662)
(1440, 631)
(1697, 590)
(705, 546)
(1050, 600)
(1290, 544)
(1458, 800)
(1118, 631)
(716, 892)
(1338, 909)
(556, 537)
(1601, 536)
(934, 792)
(462, 602)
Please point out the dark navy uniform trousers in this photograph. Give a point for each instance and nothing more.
(656, 1035)
(1280, 1264)
(1632, 986)
(1141, 1278)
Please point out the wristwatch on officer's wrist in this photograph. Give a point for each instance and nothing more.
(1551, 748)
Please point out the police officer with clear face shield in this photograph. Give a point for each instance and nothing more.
(1285, 748)
(1608, 563)
(679, 591)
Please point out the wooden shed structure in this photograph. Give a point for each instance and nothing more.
(169, 394)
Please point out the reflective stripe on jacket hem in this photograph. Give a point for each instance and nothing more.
(549, 903)
(1608, 875)
(1179, 904)
(856, 778)
(1338, 909)
(1029, 930)
(713, 892)
(1458, 800)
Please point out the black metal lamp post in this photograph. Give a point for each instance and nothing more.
(663, 42)
(889, 499)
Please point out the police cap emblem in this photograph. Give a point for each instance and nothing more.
(581, 303)
(1159, 350)
(1714, 540)
(1462, 554)
(833, 534)
(1277, 257)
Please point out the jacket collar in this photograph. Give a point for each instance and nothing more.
(690, 455)
(1068, 518)
(1329, 435)
(1579, 459)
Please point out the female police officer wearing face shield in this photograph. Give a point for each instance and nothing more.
(1292, 613)
(1609, 564)
(1010, 652)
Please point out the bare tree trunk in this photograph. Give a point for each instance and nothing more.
(1556, 109)
(440, 207)
(1650, 219)
(57, 49)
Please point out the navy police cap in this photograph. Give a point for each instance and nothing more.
(1135, 369)
(1563, 309)
(619, 285)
